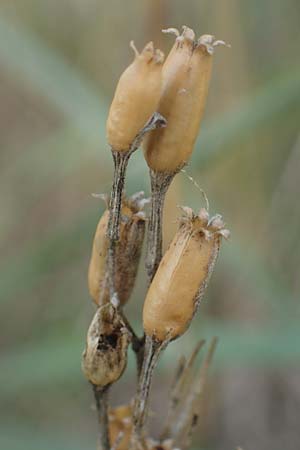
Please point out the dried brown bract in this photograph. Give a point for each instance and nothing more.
(105, 355)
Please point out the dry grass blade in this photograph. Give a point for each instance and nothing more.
(187, 422)
(179, 389)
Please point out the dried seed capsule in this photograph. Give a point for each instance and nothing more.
(120, 426)
(186, 77)
(105, 355)
(132, 230)
(136, 98)
(182, 275)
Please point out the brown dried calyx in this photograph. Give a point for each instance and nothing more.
(105, 356)
(182, 275)
(186, 77)
(136, 98)
(132, 231)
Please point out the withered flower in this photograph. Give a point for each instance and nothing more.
(182, 276)
(105, 356)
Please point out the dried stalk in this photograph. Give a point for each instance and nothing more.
(113, 230)
(136, 343)
(120, 162)
(160, 182)
(179, 391)
(101, 397)
(153, 349)
(186, 423)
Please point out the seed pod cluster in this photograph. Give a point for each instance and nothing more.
(186, 76)
(132, 230)
(120, 426)
(105, 355)
(182, 276)
(136, 98)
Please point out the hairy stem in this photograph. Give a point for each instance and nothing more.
(160, 183)
(101, 397)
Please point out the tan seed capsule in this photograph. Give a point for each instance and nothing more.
(132, 230)
(186, 77)
(105, 355)
(120, 426)
(182, 276)
(136, 98)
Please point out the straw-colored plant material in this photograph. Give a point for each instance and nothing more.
(136, 98)
(186, 77)
(182, 276)
(105, 356)
(132, 230)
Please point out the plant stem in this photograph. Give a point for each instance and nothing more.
(120, 165)
(137, 344)
(153, 348)
(160, 183)
(101, 397)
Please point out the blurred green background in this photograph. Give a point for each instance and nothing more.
(59, 64)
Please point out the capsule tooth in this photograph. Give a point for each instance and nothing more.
(171, 31)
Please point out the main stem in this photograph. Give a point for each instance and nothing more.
(101, 397)
(160, 183)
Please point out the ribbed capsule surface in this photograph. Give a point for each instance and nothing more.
(136, 98)
(186, 78)
(105, 356)
(182, 276)
(132, 230)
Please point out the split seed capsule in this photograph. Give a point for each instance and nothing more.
(105, 356)
(136, 98)
(186, 77)
(132, 231)
(182, 276)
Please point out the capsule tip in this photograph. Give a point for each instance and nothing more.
(208, 42)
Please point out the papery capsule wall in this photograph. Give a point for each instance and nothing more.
(186, 79)
(182, 276)
(132, 230)
(136, 98)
